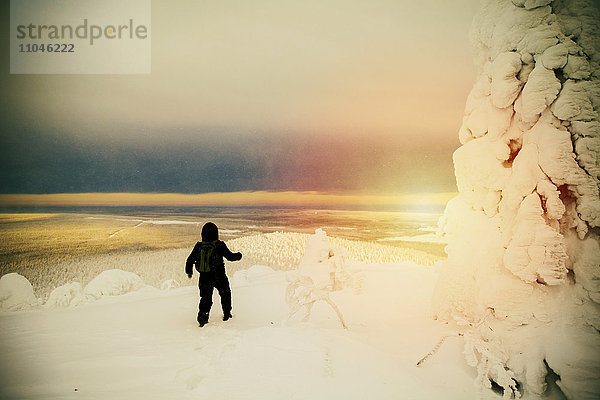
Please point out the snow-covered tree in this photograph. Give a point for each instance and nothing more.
(315, 278)
(522, 279)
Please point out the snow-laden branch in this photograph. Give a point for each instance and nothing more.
(522, 279)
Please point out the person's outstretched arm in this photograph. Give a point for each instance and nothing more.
(229, 255)
(189, 264)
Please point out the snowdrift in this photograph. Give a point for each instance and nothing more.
(16, 293)
(113, 283)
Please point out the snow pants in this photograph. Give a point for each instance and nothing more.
(207, 283)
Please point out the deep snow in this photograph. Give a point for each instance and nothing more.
(146, 344)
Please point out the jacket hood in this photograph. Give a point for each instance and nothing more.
(210, 232)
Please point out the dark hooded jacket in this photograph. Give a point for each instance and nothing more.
(210, 233)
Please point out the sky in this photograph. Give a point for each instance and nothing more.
(344, 97)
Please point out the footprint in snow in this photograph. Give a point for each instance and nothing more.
(212, 356)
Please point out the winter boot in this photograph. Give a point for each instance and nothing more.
(202, 319)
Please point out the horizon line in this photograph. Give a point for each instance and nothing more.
(260, 198)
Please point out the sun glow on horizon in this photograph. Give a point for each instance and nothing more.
(308, 199)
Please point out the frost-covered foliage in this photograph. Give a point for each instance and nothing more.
(153, 266)
(522, 277)
(316, 276)
(16, 293)
(169, 284)
(279, 250)
(70, 294)
(284, 250)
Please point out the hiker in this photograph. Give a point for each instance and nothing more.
(208, 257)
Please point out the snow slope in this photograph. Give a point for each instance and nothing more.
(146, 345)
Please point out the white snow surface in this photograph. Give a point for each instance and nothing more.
(522, 279)
(147, 345)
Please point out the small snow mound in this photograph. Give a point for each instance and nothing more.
(67, 295)
(258, 271)
(169, 284)
(238, 278)
(113, 282)
(251, 275)
(16, 293)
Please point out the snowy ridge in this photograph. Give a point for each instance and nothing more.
(522, 279)
(278, 250)
(425, 238)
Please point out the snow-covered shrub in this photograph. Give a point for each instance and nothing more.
(113, 283)
(70, 294)
(169, 284)
(522, 276)
(16, 293)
